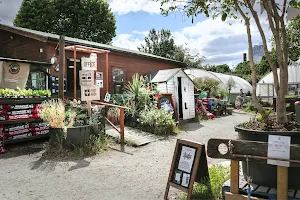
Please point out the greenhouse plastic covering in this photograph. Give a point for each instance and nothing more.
(265, 86)
(222, 78)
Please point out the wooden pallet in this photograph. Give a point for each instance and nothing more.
(260, 191)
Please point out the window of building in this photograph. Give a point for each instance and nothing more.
(118, 80)
(37, 79)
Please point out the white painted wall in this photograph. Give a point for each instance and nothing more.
(188, 95)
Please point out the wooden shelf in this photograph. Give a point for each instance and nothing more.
(23, 101)
(12, 122)
(25, 139)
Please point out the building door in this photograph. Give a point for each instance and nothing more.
(185, 97)
(70, 78)
(179, 89)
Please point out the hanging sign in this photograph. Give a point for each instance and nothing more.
(279, 147)
(90, 93)
(189, 165)
(99, 75)
(99, 83)
(86, 77)
(89, 63)
(107, 97)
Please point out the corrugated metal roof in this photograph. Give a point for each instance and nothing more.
(164, 75)
(25, 61)
(92, 44)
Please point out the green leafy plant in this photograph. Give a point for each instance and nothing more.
(223, 93)
(211, 189)
(157, 121)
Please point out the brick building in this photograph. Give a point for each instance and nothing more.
(24, 46)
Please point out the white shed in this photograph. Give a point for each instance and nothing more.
(178, 83)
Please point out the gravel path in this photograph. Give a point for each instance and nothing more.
(141, 173)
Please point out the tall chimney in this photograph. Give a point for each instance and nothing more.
(245, 57)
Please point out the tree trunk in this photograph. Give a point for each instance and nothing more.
(258, 106)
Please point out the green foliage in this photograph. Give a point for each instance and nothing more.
(157, 121)
(138, 94)
(21, 93)
(211, 190)
(85, 19)
(293, 32)
(161, 43)
(223, 93)
(206, 83)
(224, 68)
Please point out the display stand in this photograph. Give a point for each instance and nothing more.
(20, 121)
(240, 150)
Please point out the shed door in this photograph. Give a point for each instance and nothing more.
(185, 97)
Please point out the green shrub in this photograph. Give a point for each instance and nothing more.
(211, 190)
(156, 121)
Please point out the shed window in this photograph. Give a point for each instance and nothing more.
(118, 80)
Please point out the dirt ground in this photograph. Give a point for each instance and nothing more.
(140, 173)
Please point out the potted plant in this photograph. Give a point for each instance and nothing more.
(262, 174)
(53, 113)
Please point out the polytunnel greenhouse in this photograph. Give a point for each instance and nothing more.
(222, 78)
(265, 87)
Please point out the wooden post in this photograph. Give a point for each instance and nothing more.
(75, 73)
(234, 176)
(282, 183)
(61, 66)
(106, 76)
(89, 105)
(122, 124)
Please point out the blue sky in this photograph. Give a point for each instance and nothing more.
(215, 40)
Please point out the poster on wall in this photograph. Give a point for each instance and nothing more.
(90, 93)
(99, 83)
(99, 75)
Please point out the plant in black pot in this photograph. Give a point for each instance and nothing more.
(53, 113)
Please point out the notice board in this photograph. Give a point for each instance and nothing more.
(189, 165)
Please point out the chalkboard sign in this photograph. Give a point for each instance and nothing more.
(189, 165)
(165, 101)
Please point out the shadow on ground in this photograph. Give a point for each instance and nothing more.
(190, 126)
(44, 162)
(21, 149)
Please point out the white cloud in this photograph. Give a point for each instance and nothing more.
(218, 41)
(127, 41)
(122, 7)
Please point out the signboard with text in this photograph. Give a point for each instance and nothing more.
(90, 93)
(89, 63)
(189, 165)
(86, 77)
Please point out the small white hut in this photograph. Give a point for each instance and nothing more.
(178, 83)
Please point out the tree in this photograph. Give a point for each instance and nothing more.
(243, 68)
(229, 85)
(85, 19)
(224, 68)
(161, 43)
(275, 13)
(293, 32)
(207, 84)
